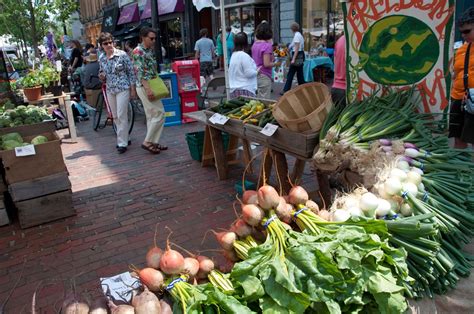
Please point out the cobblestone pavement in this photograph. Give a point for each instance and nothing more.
(119, 199)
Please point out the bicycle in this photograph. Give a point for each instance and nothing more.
(101, 119)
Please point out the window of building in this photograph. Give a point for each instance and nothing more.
(317, 15)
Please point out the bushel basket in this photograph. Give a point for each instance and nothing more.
(304, 108)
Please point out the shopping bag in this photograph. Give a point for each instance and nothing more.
(158, 87)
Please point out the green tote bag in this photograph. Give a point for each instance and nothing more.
(158, 87)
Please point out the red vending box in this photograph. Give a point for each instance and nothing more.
(189, 85)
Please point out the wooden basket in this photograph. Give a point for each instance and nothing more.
(304, 108)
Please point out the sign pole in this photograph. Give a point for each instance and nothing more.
(155, 23)
(224, 48)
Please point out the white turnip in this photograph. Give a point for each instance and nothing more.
(252, 214)
(121, 309)
(298, 195)
(146, 303)
(191, 266)
(250, 197)
(268, 197)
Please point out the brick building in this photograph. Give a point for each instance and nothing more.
(91, 15)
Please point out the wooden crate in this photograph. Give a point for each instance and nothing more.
(298, 144)
(37, 187)
(45, 209)
(32, 129)
(47, 160)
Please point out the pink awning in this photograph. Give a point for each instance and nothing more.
(129, 14)
(164, 7)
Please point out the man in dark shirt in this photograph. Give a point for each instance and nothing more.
(90, 79)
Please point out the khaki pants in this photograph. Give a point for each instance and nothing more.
(155, 116)
(119, 106)
(264, 86)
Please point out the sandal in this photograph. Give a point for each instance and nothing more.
(151, 148)
(161, 147)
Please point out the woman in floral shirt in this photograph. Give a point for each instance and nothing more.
(146, 69)
(116, 70)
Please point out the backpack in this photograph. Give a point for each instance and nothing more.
(79, 112)
(61, 121)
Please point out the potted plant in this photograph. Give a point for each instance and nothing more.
(51, 79)
(31, 84)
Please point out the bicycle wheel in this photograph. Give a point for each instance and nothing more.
(131, 118)
(138, 106)
(100, 116)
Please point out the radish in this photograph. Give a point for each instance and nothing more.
(226, 239)
(152, 278)
(298, 195)
(205, 266)
(311, 205)
(283, 211)
(172, 262)
(121, 309)
(252, 214)
(241, 228)
(153, 255)
(72, 306)
(191, 266)
(146, 303)
(268, 197)
(165, 307)
(250, 197)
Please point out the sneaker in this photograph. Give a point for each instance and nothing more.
(121, 150)
(129, 143)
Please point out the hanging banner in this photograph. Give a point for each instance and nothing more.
(400, 44)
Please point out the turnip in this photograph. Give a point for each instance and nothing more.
(152, 278)
(283, 211)
(384, 208)
(354, 211)
(268, 197)
(410, 188)
(324, 214)
(205, 266)
(191, 266)
(73, 306)
(98, 306)
(368, 203)
(172, 262)
(298, 195)
(252, 214)
(340, 215)
(393, 186)
(146, 303)
(406, 210)
(241, 228)
(399, 174)
(250, 197)
(311, 205)
(121, 309)
(226, 239)
(154, 254)
(165, 307)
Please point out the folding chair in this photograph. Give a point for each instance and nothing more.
(215, 89)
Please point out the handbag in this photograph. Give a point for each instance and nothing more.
(469, 102)
(159, 88)
(299, 61)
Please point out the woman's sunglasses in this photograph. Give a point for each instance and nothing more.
(466, 31)
(106, 43)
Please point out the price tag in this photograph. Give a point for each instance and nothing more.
(27, 150)
(269, 129)
(217, 118)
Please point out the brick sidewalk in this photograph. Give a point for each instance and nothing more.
(118, 199)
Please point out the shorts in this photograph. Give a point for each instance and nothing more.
(461, 123)
(207, 68)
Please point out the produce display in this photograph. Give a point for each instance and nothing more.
(11, 116)
(12, 140)
(249, 111)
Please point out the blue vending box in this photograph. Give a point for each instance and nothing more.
(172, 104)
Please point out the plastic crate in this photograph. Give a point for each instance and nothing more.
(195, 142)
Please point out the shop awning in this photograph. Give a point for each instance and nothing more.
(129, 14)
(164, 7)
(109, 20)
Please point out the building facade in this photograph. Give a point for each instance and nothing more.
(91, 13)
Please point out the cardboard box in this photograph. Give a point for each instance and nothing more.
(31, 129)
(45, 209)
(48, 159)
(37, 187)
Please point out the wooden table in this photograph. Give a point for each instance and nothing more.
(273, 157)
(64, 103)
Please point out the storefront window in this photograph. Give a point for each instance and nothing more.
(248, 22)
(171, 38)
(317, 14)
(234, 20)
